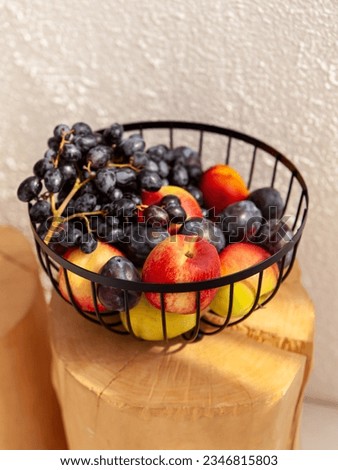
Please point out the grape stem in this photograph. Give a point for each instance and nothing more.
(142, 207)
(62, 144)
(123, 165)
(57, 213)
(83, 215)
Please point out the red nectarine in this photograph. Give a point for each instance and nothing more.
(181, 258)
(221, 186)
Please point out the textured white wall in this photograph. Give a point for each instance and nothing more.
(267, 68)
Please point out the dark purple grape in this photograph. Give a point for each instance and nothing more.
(125, 177)
(88, 243)
(273, 236)
(113, 134)
(98, 156)
(140, 239)
(112, 221)
(269, 202)
(85, 203)
(111, 297)
(50, 154)
(40, 211)
(133, 144)
(195, 173)
(29, 189)
(124, 208)
(240, 221)
(149, 180)
(53, 143)
(177, 214)
(81, 128)
(155, 215)
(105, 180)
(134, 197)
(151, 166)
(157, 152)
(169, 157)
(186, 156)
(72, 235)
(71, 153)
(115, 194)
(99, 138)
(205, 229)
(179, 175)
(61, 130)
(41, 166)
(139, 159)
(170, 200)
(197, 193)
(68, 172)
(163, 169)
(108, 233)
(53, 180)
(89, 187)
(85, 142)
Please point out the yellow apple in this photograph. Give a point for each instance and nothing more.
(146, 322)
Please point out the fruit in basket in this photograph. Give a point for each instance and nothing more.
(273, 236)
(183, 197)
(221, 186)
(111, 297)
(234, 258)
(240, 221)
(146, 322)
(81, 287)
(205, 229)
(269, 202)
(140, 239)
(181, 258)
(29, 189)
(187, 200)
(106, 187)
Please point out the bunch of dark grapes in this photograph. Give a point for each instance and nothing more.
(87, 188)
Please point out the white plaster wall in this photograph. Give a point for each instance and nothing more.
(267, 68)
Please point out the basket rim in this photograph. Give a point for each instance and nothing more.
(197, 285)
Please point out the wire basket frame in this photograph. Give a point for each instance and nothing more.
(296, 202)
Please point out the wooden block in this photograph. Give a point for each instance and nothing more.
(287, 323)
(29, 412)
(228, 391)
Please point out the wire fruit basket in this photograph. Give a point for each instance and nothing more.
(263, 165)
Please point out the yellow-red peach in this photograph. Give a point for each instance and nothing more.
(234, 258)
(81, 287)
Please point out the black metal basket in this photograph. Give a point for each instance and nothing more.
(250, 156)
